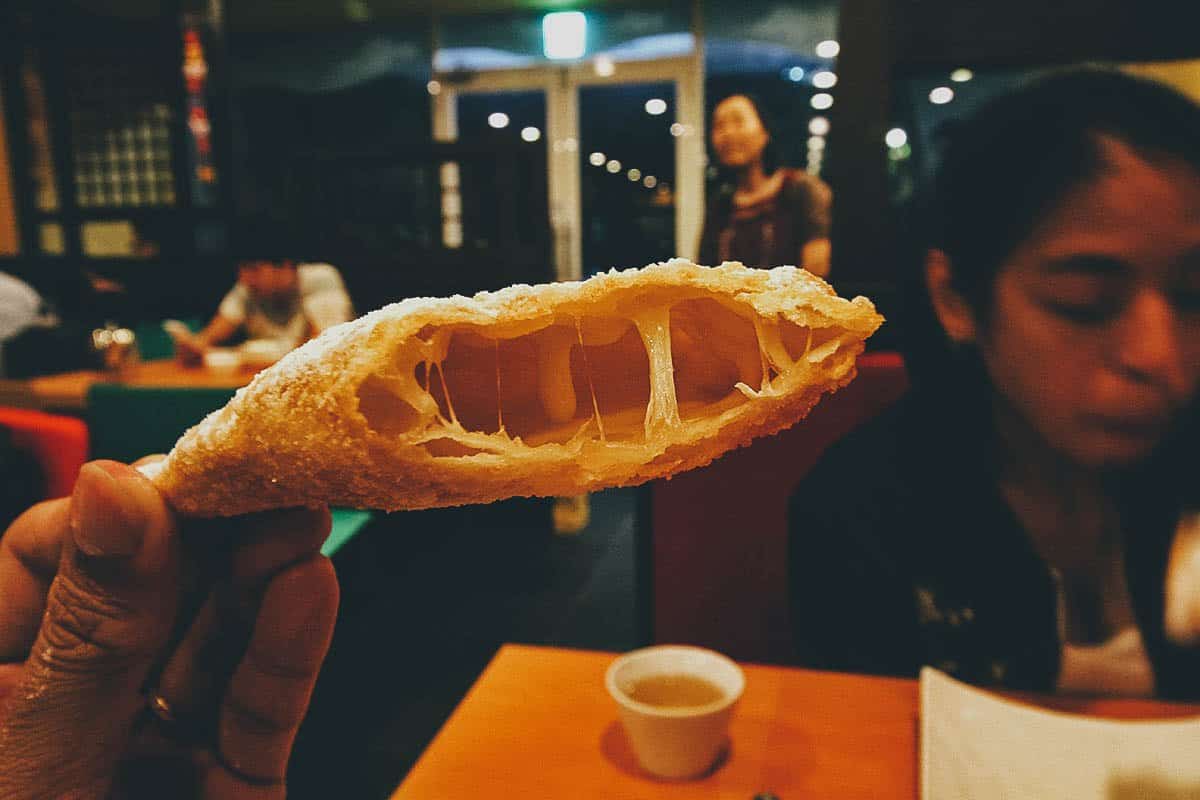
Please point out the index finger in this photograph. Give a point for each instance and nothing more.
(270, 690)
(29, 556)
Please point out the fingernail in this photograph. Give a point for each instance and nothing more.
(105, 518)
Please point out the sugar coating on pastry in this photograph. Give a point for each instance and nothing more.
(555, 389)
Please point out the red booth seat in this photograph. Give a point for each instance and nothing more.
(719, 534)
(59, 444)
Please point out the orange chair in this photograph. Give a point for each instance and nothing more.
(718, 536)
(59, 444)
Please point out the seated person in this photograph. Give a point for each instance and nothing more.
(20, 307)
(39, 331)
(275, 299)
(1026, 516)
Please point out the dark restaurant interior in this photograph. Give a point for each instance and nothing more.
(428, 149)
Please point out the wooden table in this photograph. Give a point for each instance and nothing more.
(67, 391)
(539, 724)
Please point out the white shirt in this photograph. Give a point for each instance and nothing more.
(1120, 665)
(320, 301)
(20, 306)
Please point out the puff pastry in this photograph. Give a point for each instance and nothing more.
(555, 389)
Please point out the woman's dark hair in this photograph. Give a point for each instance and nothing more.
(1001, 171)
(1006, 166)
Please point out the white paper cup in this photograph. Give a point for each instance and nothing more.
(262, 352)
(675, 741)
(222, 360)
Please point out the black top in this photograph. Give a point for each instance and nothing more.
(771, 232)
(903, 553)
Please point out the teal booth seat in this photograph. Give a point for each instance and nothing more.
(127, 422)
(154, 343)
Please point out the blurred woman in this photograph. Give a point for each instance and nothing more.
(1026, 516)
(768, 215)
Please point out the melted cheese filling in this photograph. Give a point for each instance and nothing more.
(639, 376)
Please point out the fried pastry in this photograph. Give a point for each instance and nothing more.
(555, 389)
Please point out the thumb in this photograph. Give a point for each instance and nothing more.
(108, 615)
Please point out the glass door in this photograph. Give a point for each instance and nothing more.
(627, 165)
(646, 201)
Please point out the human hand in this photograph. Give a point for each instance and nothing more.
(189, 347)
(91, 594)
(816, 256)
(190, 350)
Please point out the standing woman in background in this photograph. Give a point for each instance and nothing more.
(771, 215)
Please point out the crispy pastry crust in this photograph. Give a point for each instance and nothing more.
(295, 435)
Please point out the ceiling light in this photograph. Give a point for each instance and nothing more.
(825, 80)
(530, 134)
(828, 49)
(656, 106)
(819, 126)
(498, 119)
(896, 137)
(564, 35)
(821, 101)
(941, 95)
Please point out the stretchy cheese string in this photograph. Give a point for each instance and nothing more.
(762, 357)
(499, 402)
(446, 392)
(771, 342)
(825, 350)
(662, 411)
(587, 368)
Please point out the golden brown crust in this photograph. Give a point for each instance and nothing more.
(296, 436)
